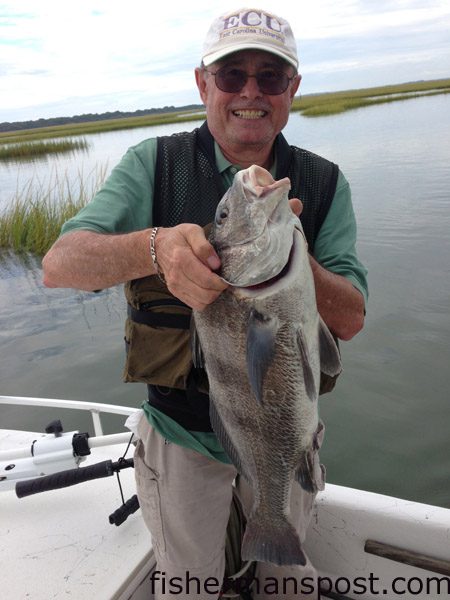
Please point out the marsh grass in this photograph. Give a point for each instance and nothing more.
(33, 219)
(316, 105)
(100, 126)
(28, 149)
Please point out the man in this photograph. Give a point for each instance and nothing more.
(247, 81)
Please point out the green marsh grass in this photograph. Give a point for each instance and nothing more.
(33, 219)
(315, 105)
(29, 149)
(74, 129)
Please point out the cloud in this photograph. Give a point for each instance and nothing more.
(80, 55)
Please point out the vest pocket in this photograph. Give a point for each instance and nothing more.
(157, 355)
(157, 335)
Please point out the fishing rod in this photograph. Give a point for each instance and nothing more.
(44, 465)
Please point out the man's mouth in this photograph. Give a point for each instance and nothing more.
(249, 114)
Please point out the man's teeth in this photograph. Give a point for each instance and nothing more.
(249, 114)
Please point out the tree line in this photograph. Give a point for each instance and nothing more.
(19, 125)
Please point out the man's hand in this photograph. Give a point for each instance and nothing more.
(296, 206)
(188, 262)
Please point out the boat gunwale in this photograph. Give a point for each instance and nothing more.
(95, 408)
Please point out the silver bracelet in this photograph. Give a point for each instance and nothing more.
(153, 254)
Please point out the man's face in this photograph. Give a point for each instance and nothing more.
(248, 118)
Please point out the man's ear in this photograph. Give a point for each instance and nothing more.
(295, 85)
(200, 80)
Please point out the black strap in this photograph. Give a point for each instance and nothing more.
(157, 319)
(189, 407)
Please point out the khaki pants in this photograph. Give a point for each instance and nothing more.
(185, 500)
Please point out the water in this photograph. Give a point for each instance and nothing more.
(388, 419)
(104, 152)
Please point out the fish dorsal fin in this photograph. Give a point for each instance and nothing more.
(308, 376)
(330, 358)
(261, 336)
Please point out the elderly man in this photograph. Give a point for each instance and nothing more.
(156, 202)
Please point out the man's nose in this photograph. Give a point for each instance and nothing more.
(251, 88)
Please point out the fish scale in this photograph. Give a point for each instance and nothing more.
(260, 342)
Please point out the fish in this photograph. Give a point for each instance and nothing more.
(263, 345)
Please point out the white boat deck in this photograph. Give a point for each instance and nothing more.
(60, 544)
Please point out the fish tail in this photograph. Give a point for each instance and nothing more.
(270, 541)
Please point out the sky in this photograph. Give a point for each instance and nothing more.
(63, 58)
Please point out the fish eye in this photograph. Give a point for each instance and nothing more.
(221, 216)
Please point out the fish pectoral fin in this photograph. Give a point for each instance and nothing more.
(306, 476)
(198, 358)
(308, 376)
(261, 337)
(330, 358)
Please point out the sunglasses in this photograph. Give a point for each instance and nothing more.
(270, 81)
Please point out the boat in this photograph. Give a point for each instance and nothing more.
(67, 542)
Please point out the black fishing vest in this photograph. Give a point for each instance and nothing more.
(187, 189)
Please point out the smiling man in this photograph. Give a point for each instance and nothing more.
(144, 228)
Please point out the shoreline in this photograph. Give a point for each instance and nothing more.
(311, 105)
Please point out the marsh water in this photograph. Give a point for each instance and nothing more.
(388, 421)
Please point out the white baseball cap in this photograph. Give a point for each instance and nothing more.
(250, 28)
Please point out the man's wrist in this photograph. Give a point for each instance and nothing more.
(153, 233)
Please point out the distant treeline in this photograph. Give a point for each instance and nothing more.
(17, 126)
